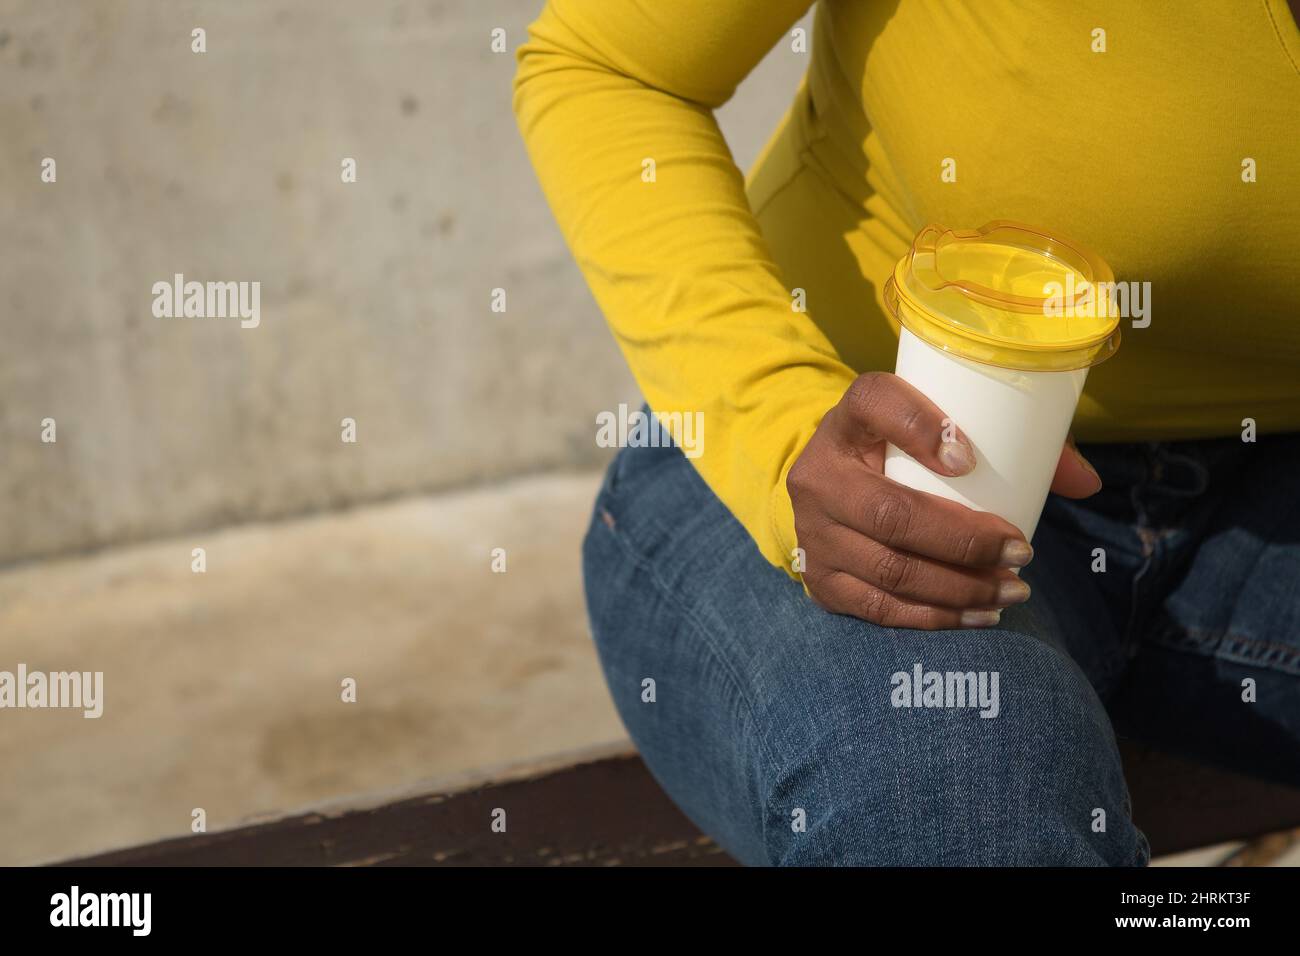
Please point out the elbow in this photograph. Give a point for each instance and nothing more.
(527, 69)
(536, 64)
(553, 63)
(538, 58)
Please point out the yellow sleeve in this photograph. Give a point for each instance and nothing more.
(676, 261)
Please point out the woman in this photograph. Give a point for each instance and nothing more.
(758, 607)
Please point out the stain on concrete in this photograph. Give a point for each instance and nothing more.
(172, 110)
(37, 54)
(323, 748)
(530, 667)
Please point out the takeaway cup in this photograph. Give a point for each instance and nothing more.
(998, 327)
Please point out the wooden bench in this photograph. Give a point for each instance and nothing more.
(602, 808)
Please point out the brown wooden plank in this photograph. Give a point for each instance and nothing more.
(1181, 805)
(605, 813)
(610, 811)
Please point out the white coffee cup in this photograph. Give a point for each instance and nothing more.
(981, 337)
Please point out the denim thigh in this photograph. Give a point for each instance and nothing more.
(792, 735)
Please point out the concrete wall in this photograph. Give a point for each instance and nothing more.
(374, 295)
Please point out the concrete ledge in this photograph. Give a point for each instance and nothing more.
(223, 689)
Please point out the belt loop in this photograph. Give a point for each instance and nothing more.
(1198, 472)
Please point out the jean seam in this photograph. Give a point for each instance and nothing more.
(1144, 846)
(1190, 639)
(1127, 638)
(697, 624)
(1201, 641)
(644, 565)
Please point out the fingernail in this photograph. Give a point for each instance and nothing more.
(1016, 553)
(1013, 592)
(980, 618)
(957, 457)
(1086, 464)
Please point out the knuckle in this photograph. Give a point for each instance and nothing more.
(913, 421)
(890, 517)
(874, 606)
(893, 570)
(969, 547)
(796, 482)
(865, 394)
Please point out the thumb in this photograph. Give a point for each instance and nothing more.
(1075, 478)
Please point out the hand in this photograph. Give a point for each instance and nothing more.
(891, 555)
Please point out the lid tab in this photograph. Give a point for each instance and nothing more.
(1007, 294)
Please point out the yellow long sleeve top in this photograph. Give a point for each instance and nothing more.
(1166, 136)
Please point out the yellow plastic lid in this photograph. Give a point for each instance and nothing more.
(1006, 294)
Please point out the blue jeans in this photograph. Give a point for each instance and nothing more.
(795, 736)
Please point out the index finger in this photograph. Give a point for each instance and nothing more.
(879, 406)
